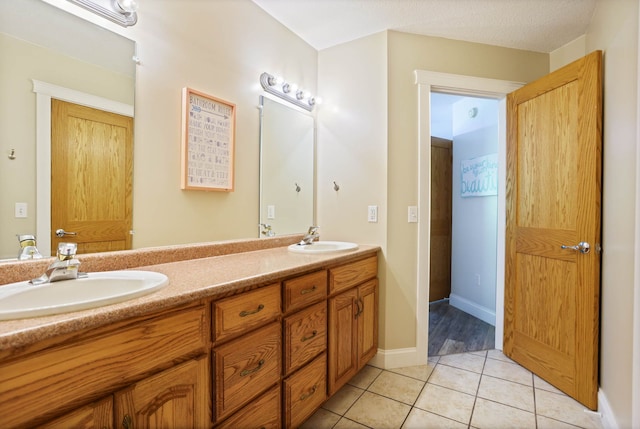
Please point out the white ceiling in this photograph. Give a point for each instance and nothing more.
(535, 25)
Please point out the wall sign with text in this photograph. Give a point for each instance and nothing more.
(479, 176)
(208, 142)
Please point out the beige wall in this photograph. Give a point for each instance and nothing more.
(614, 29)
(352, 145)
(18, 122)
(385, 154)
(219, 48)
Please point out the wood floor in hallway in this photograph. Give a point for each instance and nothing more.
(453, 331)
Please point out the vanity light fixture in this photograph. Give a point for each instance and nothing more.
(288, 91)
(122, 12)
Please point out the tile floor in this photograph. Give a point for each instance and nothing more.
(468, 390)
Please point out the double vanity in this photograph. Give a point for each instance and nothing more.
(245, 334)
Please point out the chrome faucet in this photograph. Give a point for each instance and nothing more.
(28, 249)
(65, 267)
(310, 237)
(267, 231)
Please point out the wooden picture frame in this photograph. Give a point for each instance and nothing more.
(208, 142)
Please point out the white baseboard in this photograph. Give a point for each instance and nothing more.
(608, 419)
(397, 358)
(482, 313)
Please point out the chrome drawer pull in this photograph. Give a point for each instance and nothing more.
(246, 372)
(309, 393)
(313, 334)
(306, 291)
(248, 313)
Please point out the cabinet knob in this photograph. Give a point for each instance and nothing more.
(127, 422)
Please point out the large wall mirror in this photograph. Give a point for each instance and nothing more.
(287, 168)
(43, 43)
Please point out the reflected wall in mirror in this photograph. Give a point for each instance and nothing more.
(287, 168)
(41, 42)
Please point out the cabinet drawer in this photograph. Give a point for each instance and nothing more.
(264, 412)
(305, 391)
(305, 290)
(305, 336)
(54, 380)
(240, 313)
(352, 274)
(245, 367)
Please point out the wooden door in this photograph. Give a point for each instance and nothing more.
(440, 251)
(175, 398)
(91, 177)
(553, 199)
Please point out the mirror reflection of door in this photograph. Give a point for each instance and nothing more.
(440, 254)
(91, 178)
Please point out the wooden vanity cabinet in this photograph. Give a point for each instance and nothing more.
(264, 358)
(353, 320)
(68, 377)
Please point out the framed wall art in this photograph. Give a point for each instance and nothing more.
(208, 142)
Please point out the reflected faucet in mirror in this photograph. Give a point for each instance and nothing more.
(28, 249)
(266, 230)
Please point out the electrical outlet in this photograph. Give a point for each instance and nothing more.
(21, 210)
(477, 279)
(271, 212)
(412, 214)
(372, 213)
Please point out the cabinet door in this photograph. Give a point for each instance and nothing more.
(177, 397)
(367, 322)
(98, 415)
(343, 339)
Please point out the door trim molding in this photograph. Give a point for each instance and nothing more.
(44, 93)
(427, 82)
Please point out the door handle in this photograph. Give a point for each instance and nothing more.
(61, 233)
(583, 247)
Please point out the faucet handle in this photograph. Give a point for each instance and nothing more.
(313, 230)
(67, 251)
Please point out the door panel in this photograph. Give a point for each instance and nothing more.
(91, 177)
(553, 199)
(440, 253)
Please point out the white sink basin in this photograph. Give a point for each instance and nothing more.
(323, 247)
(21, 300)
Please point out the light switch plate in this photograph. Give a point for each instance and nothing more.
(21, 210)
(372, 213)
(412, 214)
(271, 212)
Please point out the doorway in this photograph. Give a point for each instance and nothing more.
(466, 86)
(463, 236)
(45, 92)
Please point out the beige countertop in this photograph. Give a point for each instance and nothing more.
(189, 281)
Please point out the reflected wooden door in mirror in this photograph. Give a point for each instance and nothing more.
(91, 178)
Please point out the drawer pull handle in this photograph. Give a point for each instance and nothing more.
(359, 309)
(309, 393)
(306, 291)
(246, 313)
(246, 372)
(313, 334)
(127, 423)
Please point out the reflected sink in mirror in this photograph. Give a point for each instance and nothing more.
(323, 247)
(22, 300)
